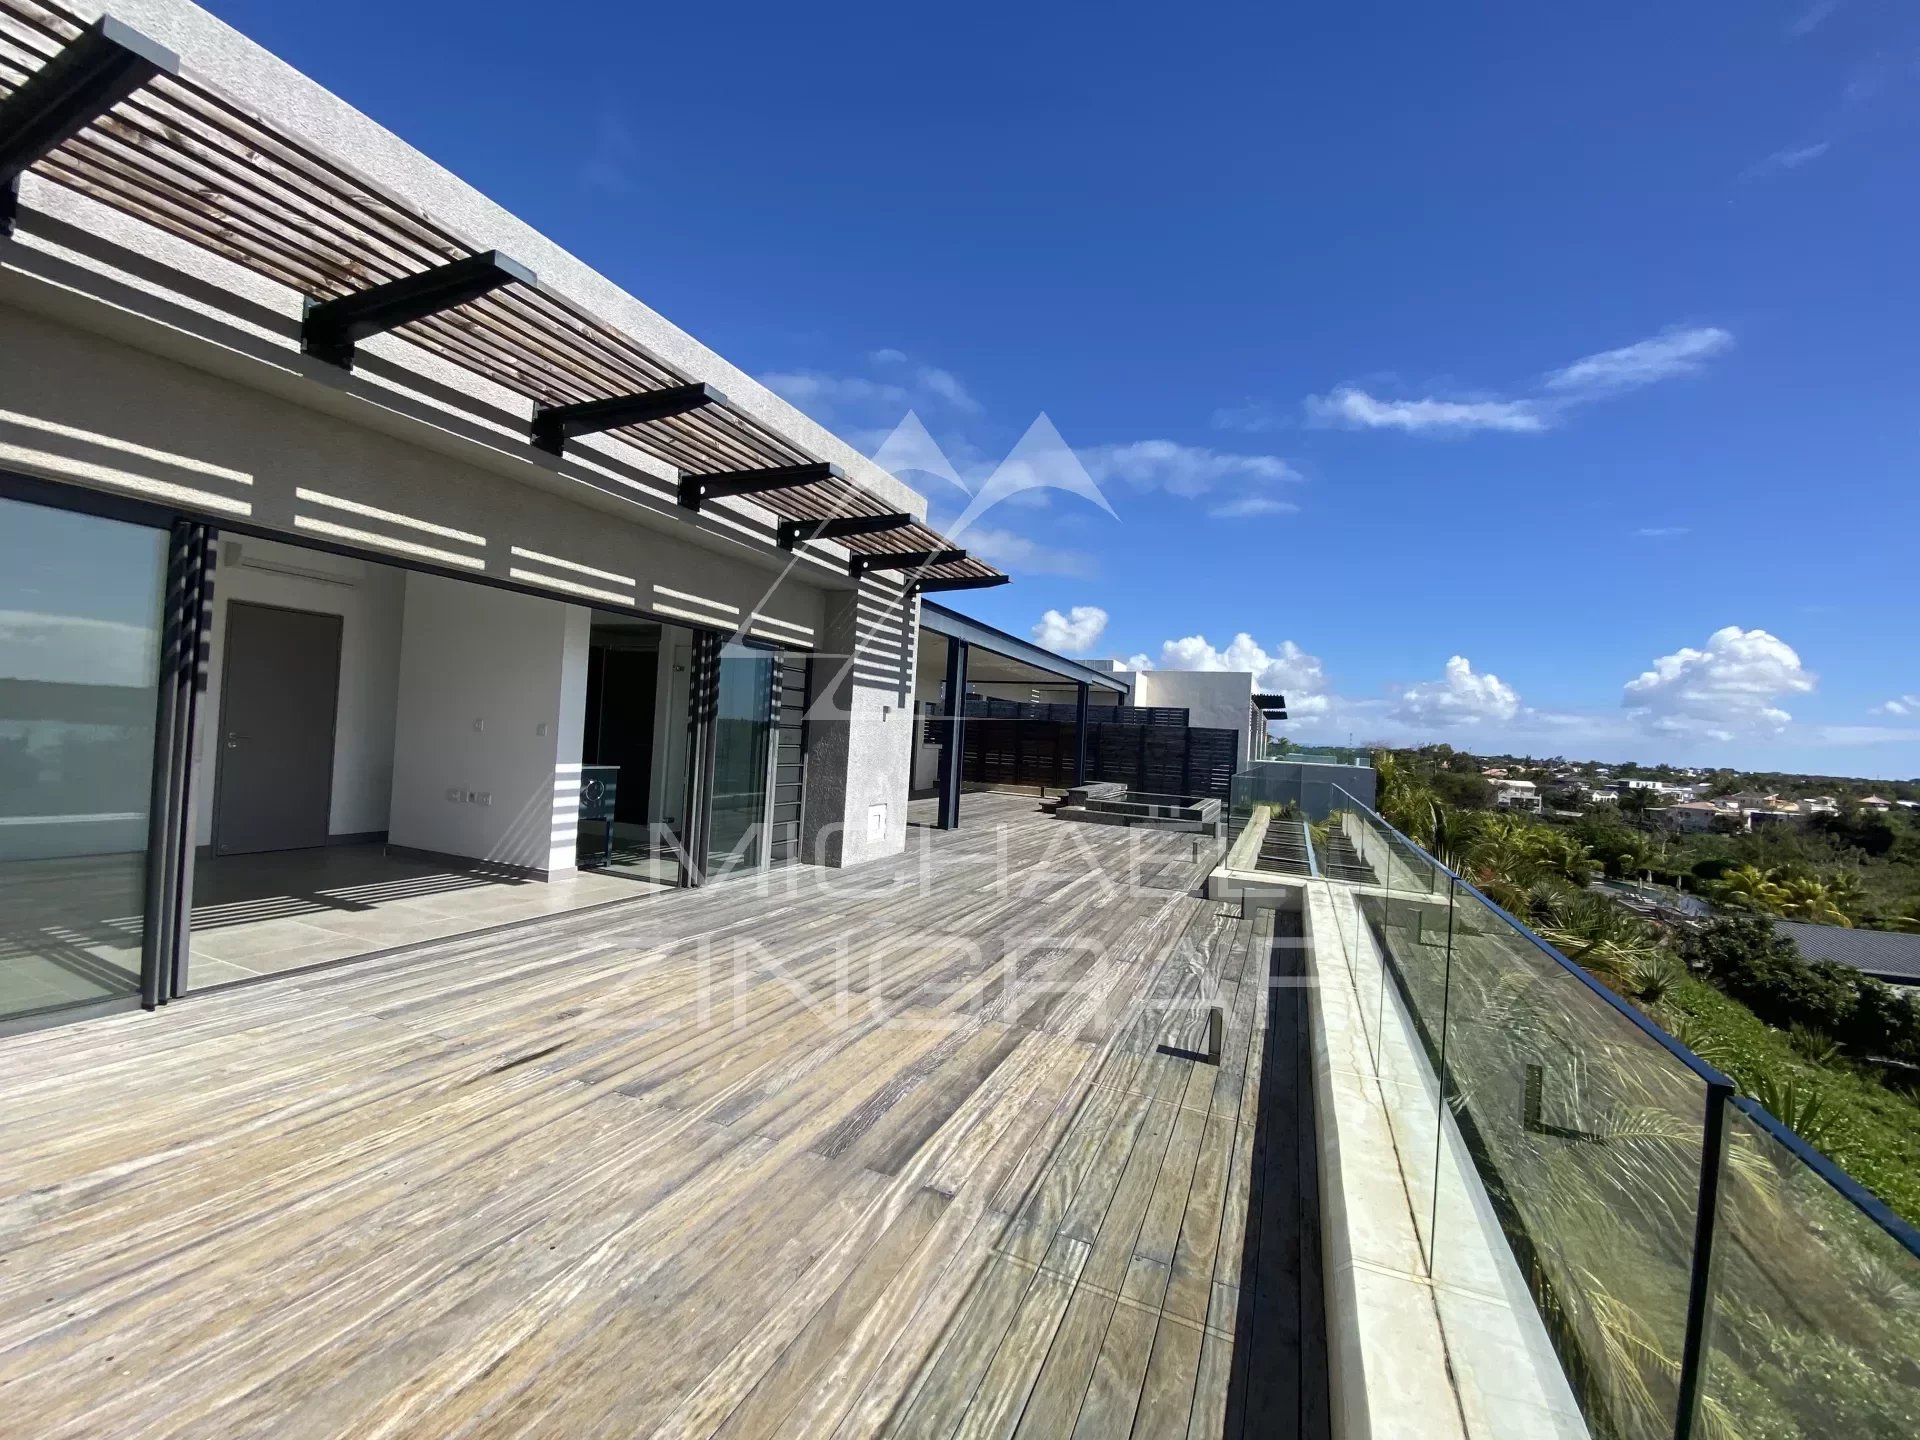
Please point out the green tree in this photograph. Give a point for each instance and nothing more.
(1462, 791)
(1747, 887)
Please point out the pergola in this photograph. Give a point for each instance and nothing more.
(107, 112)
(976, 652)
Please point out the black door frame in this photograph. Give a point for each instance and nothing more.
(703, 706)
(185, 634)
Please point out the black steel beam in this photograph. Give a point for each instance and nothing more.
(1080, 734)
(953, 709)
(697, 488)
(554, 425)
(792, 532)
(904, 560)
(91, 75)
(333, 326)
(959, 582)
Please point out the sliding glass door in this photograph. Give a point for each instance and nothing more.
(81, 607)
(741, 770)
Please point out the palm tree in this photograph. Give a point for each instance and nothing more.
(1844, 889)
(1404, 800)
(1805, 898)
(1747, 887)
(1506, 855)
(1635, 855)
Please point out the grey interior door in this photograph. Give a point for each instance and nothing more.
(280, 685)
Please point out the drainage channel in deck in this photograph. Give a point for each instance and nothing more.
(1340, 861)
(1283, 849)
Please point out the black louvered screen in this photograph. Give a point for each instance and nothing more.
(1016, 744)
(790, 695)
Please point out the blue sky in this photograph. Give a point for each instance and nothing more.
(1497, 370)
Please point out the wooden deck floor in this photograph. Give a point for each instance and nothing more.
(898, 1154)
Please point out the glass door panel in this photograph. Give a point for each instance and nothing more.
(81, 602)
(742, 760)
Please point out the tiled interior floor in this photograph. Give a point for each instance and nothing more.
(261, 914)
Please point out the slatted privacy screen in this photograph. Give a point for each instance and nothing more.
(990, 709)
(792, 675)
(1160, 758)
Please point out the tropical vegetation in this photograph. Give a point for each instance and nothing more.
(1838, 1051)
(1590, 1141)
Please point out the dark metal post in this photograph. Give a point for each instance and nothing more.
(703, 701)
(201, 560)
(168, 886)
(1693, 1355)
(1080, 736)
(953, 705)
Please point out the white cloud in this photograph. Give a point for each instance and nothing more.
(1791, 158)
(1458, 697)
(1074, 633)
(1290, 671)
(1252, 416)
(1184, 470)
(898, 381)
(1900, 705)
(1139, 662)
(909, 449)
(66, 649)
(1726, 690)
(1673, 352)
(944, 384)
(816, 387)
(1250, 505)
(1813, 17)
(1357, 409)
(1663, 532)
(1017, 553)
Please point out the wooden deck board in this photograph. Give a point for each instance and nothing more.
(914, 1163)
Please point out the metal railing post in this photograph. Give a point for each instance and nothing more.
(1693, 1356)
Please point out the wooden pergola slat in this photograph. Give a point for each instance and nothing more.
(175, 153)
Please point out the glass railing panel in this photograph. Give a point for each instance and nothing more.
(1816, 1307)
(1586, 1134)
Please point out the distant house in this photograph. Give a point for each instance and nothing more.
(1694, 817)
(1521, 795)
(1875, 802)
(1883, 954)
(1496, 773)
(1791, 815)
(1820, 805)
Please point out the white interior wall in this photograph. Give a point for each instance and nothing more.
(492, 703)
(929, 679)
(369, 599)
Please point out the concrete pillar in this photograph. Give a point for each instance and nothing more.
(860, 726)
